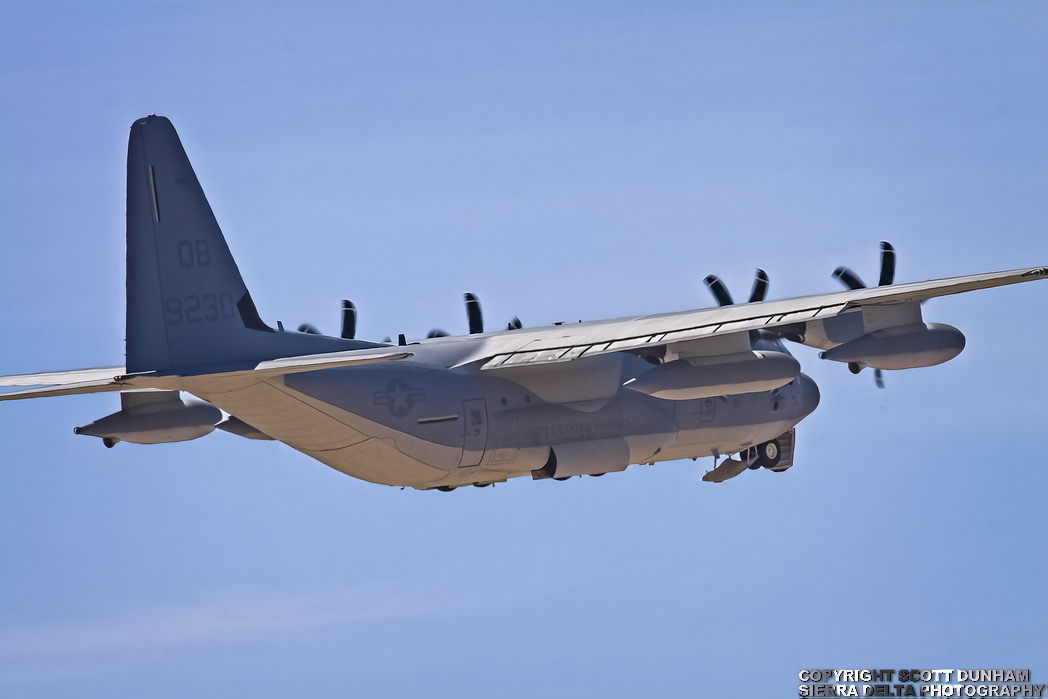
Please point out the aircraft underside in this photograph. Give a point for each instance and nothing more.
(428, 429)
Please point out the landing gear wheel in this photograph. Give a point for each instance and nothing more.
(769, 453)
(753, 456)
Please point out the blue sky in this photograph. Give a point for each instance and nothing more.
(564, 161)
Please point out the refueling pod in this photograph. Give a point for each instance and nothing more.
(900, 347)
(154, 417)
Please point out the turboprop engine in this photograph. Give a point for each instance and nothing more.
(900, 347)
(154, 417)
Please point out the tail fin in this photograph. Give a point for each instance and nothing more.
(187, 305)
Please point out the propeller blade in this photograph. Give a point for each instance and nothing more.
(887, 264)
(760, 286)
(849, 278)
(878, 378)
(402, 340)
(309, 329)
(514, 324)
(436, 332)
(719, 290)
(476, 321)
(349, 320)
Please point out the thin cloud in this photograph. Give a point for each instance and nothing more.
(235, 618)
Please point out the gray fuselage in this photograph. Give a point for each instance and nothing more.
(421, 424)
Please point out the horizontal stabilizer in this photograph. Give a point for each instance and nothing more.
(52, 378)
(62, 383)
(313, 362)
(276, 367)
(68, 389)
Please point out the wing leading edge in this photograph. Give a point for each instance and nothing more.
(567, 342)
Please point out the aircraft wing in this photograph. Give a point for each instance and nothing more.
(554, 344)
(562, 343)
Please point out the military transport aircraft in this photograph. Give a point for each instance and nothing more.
(552, 402)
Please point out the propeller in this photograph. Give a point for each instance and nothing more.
(473, 317)
(851, 280)
(758, 293)
(349, 320)
(887, 264)
(760, 286)
(476, 320)
(720, 291)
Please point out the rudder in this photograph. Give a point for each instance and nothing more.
(187, 304)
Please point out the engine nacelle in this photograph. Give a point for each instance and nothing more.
(902, 347)
(154, 418)
(706, 377)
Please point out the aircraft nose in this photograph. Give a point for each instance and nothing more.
(809, 394)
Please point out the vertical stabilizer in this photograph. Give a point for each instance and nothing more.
(187, 305)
